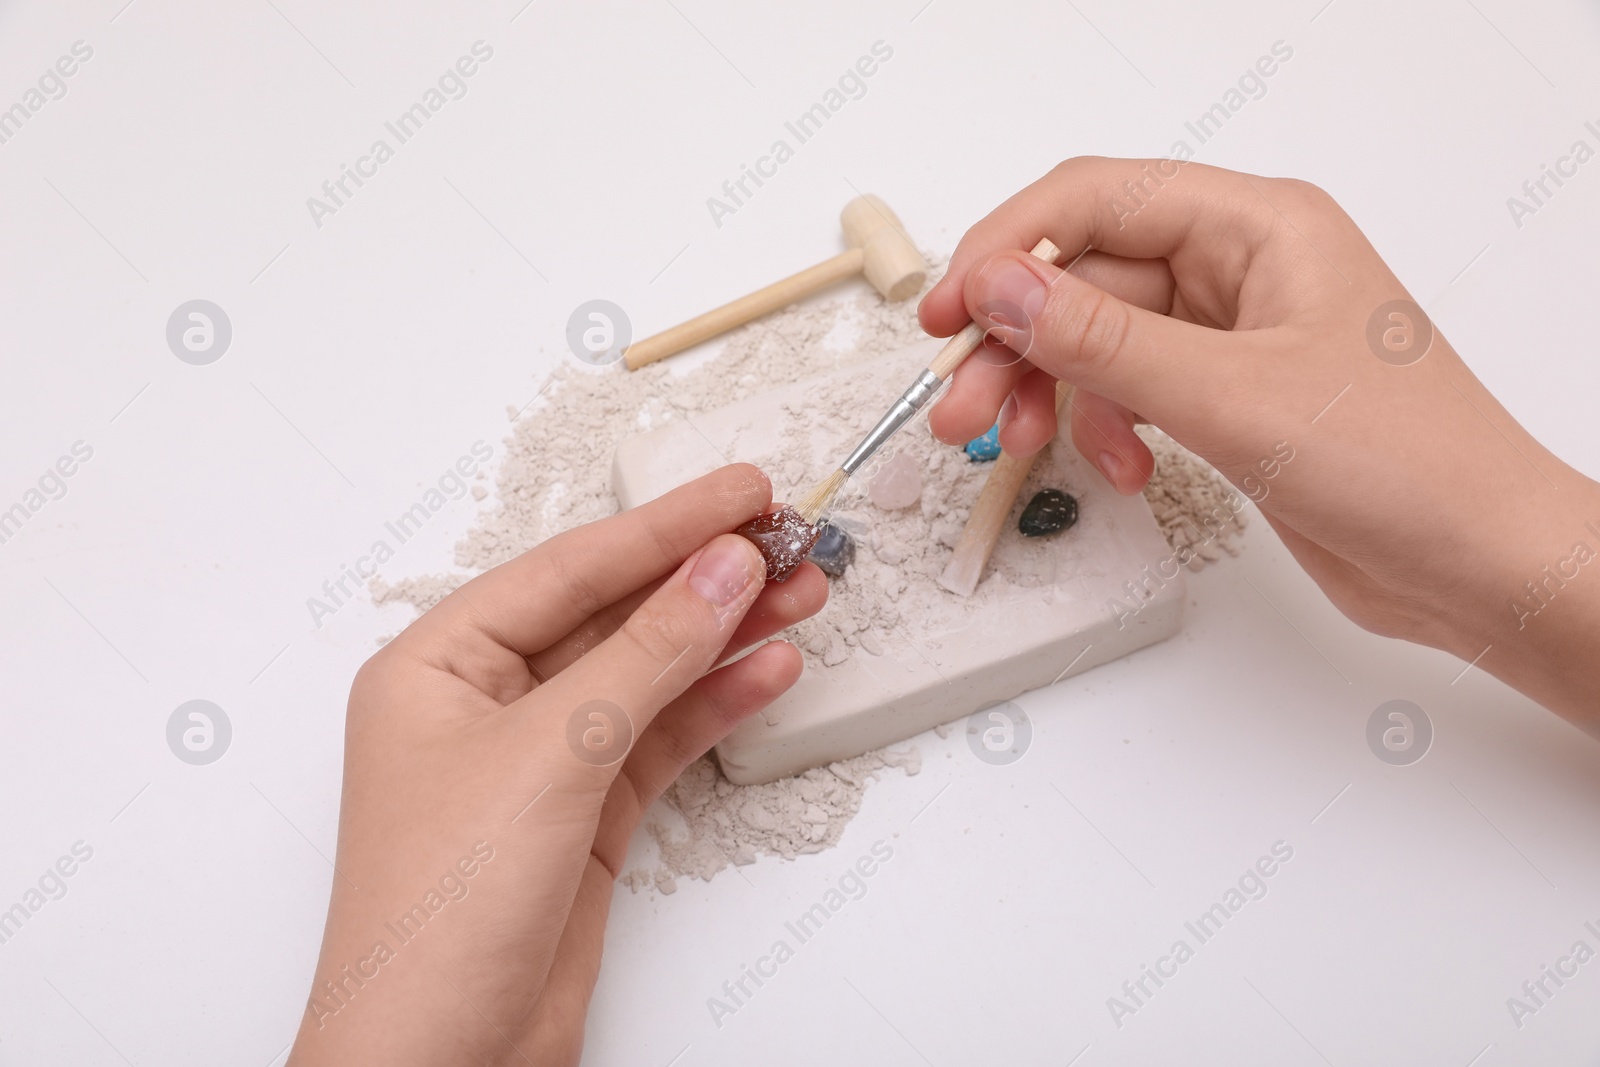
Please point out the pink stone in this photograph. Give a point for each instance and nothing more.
(897, 484)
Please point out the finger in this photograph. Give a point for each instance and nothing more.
(779, 606)
(687, 730)
(526, 603)
(683, 733)
(704, 601)
(554, 1032)
(1103, 432)
(1145, 283)
(564, 652)
(1028, 416)
(981, 385)
(1134, 208)
(673, 638)
(978, 387)
(1147, 362)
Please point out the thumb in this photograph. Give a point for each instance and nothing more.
(596, 708)
(1080, 333)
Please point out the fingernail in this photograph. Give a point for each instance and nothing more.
(1008, 290)
(1008, 411)
(1110, 466)
(723, 572)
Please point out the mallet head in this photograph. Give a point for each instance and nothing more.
(890, 261)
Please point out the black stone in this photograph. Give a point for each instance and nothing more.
(1050, 511)
(834, 550)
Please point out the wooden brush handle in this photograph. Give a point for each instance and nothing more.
(777, 295)
(988, 517)
(963, 344)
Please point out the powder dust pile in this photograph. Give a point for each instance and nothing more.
(725, 823)
(556, 474)
(1196, 508)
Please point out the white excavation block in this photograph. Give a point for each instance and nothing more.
(894, 653)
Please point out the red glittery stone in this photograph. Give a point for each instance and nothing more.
(784, 539)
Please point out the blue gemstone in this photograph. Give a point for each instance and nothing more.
(834, 551)
(983, 449)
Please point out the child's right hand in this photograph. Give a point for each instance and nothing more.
(1251, 319)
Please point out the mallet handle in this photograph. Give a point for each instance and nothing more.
(777, 295)
(967, 341)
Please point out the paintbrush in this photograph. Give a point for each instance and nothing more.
(957, 349)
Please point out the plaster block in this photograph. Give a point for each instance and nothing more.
(1044, 610)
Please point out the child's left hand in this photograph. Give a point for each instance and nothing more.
(481, 827)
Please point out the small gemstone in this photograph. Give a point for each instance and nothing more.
(1050, 511)
(983, 449)
(783, 537)
(834, 550)
(897, 484)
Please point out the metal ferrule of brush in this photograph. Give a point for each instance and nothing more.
(910, 402)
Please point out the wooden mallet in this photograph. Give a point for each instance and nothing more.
(879, 248)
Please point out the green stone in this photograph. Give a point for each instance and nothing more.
(1050, 511)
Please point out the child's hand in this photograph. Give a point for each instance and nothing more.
(487, 804)
(1250, 319)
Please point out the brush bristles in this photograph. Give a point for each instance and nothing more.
(817, 501)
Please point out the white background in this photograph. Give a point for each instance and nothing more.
(370, 353)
